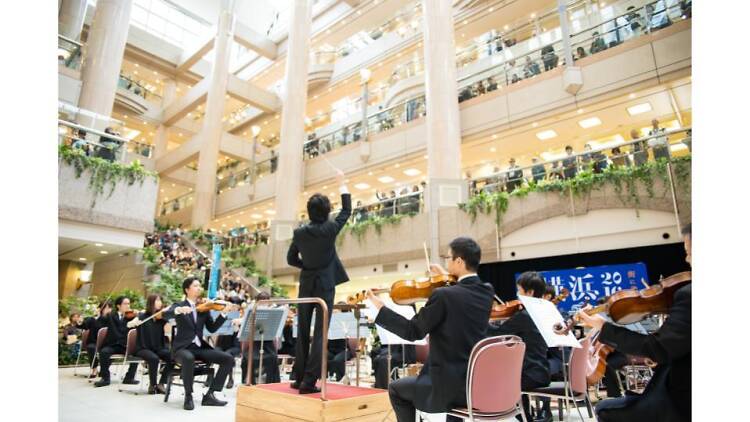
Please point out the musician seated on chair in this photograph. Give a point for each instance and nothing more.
(456, 318)
(93, 324)
(667, 396)
(150, 345)
(117, 338)
(535, 372)
(188, 343)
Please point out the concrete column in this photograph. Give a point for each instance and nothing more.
(445, 187)
(160, 140)
(205, 182)
(102, 57)
(70, 19)
(289, 175)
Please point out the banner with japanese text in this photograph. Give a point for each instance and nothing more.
(589, 284)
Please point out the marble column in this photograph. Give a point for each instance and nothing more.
(160, 140)
(70, 19)
(205, 181)
(102, 59)
(289, 172)
(445, 186)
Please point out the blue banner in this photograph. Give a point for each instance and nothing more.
(589, 284)
(213, 278)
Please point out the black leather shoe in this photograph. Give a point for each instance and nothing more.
(308, 389)
(152, 389)
(230, 383)
(131, 382)
(210, 400)
(188, 405)
(295, 385)
(101, 383)
(160, 389)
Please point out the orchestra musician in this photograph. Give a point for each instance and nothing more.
(535, 372)
(117, 337)
(188, 343)
(456, 318)
(151, 346)
(270, 356)
(667, 396)
(313, 251)
(555, 364)
(93, 324)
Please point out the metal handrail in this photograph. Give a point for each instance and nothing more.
(90, 130)
(324, 353)
(66, 39)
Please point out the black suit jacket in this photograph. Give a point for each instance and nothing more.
(117, 329)
(670, 348)
(187, 329)
(456, 318)
(535, 364)
(313, 250)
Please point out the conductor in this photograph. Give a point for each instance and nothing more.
(313, 250)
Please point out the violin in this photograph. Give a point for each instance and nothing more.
(508, 309)
(630, 306)
(408, 292)
(130, 314)
(205, 305)
(597, 360)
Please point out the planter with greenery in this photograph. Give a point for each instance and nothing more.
(104, 173)
(359, 229)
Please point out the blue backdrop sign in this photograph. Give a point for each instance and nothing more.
(213, 278)
(588, 284)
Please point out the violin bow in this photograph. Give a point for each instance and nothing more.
(426, 257)
(112, 290)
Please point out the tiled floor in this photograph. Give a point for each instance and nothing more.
(81, 402)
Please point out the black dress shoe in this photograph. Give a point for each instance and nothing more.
(543, 416)
(101, 383)
(230, 383)
(152, 389)
(210, 400)
(160, 389)
(308, 389)
(131, 382)
(188, 405)
(295, 385)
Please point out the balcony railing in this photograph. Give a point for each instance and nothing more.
(137, 88)
(107, 145)
(69, 52)
(662, 145)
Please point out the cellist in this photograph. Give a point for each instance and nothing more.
(667, 396)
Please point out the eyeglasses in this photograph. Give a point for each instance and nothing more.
(447, 257)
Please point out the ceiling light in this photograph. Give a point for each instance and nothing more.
(103, 252)
(631, 96)
(412, 172)
(494, 136)
(492, 9)
(81, 259)
(256, 216)
(98, 244)
(493, 149)
(362, 186)
(369, 173)
(590, 122)
(580, 111)
(639, 108)
(385, 179)
(535, 124)
(546, 134)
(137, 65)
(270, 212)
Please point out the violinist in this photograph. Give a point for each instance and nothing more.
(93, 324)
(455, 317)
(555, 363)
(188, 343)
(151, 346)
(117, 338)
(535, 372)
(667, 396)
(313, 251)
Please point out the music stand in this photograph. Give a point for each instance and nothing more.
(356, 309)
(269, 323)
(226, 328)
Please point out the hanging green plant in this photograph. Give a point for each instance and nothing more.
(359, 229)
(103, 172)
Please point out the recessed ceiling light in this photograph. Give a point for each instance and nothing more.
(639, 108)
(535, 124)
(590, 122)
(369, 173)
(580, 111)
(81, 259)
(98, 244)
(362, 186)
(493, 149)
(412, 172)
(546, 134)
(385, 179)
(397, 165)
(256, 216)
(494, 136)
(270, 212)
(103, 252)
(631, 96)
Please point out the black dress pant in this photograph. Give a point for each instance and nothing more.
(105, 360)
(235, 352)
(152, 360)
(402, 394)
(307, 361)
(270, 367)
(337, 363)
(380, 363)
(186, 358)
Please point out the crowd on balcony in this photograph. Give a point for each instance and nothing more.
(107, 148)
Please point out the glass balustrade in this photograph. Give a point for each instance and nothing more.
(245, 175)
(69, 52)
(108, 145)
(137, 88)
(176, 204)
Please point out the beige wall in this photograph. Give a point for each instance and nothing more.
(108, 272)
(68, 273)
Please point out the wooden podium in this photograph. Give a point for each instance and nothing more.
(280, 403)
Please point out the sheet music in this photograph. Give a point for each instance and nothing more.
(342, 325)
(387, 337)
(226, 328)
(545, 315)
(270, 320)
